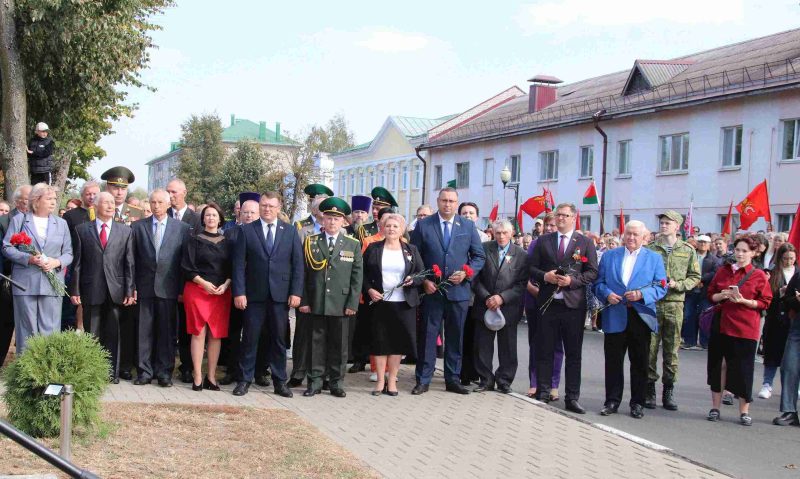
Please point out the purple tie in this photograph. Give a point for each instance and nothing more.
(562, 247)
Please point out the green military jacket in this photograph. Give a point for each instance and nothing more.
(681, 266)
(332, 280)
(305, 227)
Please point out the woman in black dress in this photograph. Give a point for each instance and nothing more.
(389, 269)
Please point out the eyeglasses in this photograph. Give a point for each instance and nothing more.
(562, 215)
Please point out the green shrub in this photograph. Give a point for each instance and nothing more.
(61, 358)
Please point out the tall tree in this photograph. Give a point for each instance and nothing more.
(245, 169)
(201, 156)
(68, 63)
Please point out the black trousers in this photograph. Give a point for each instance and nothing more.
(157, 331)
(484, 351)
(636, 341)
(274, 318)
(558, 318)
(301, 346)
(184, 341)
(328, 350)
(469, 367)
(360, 333)
(128, 319)
(739, 355)
(102, 321)
(232, 343)
(6, 327)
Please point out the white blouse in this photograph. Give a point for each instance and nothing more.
(393, 266)
(41, 226)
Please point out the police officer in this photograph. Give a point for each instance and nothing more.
(683, 273)
(314, 191)
(334, 274)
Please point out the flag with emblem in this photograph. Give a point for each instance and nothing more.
(754, 206)
(549, 202)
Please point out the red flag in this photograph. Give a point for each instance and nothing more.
(726, 228)
(621, 221)
(794, 233)
(590, 195)
(534, 206)
(493, 214)
(754, 206)
(577, 218)
(549, 202)
(519, 221)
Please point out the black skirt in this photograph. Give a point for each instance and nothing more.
(739, 355)
(394, 328)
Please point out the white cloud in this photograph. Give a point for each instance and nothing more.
(551, 15)
(393, 41)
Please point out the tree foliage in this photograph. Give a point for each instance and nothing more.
(201, 156)
(247, 168)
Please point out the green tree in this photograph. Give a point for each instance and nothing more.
(68, 63)
(201, 156)
(246, 169)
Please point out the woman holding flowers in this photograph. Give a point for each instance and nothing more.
(392, 275)
(38, 245)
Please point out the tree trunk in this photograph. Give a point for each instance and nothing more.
(13, 116)
(61, 162)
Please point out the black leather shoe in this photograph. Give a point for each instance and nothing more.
(186, 377)
(227, 380)
(357, 367)
(668, 398)
(504, 388)
(609, 409)
(456, 388)
(420, 389)
(650, 396)
(294, 383)
(142, 381)
(637, 411)
(574, 406)
(482, 387)
(545, 398)
(113, 380)
(125, 375)
(282, 390)
(786, 419)
(242, 387)
(326, 385)
(197, 387)
(167, 382)
(207, 384)
(310, 392)
(263, 381)
(339, 393)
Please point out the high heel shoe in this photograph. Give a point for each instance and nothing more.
(378, 392)
(389, 393)
(207, 384)
(197, 387)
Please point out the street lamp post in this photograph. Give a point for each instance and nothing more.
(505, 177)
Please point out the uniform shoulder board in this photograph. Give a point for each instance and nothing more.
(352, 238)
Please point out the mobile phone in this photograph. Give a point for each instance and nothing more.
(560, 271)
(734, 289)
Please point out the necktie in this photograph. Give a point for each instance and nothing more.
(177, 215)
(502, 256)
(562, 247)
(159, 237)
(117, 215)
(103, 235)
(446, 234)
(330, 244)
(270, 238)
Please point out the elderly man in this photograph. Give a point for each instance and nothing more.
(683, 274)
(630, 282)
(86, 212)
(696, 300)
(316, 193)
(361, 206)
(102, 276)
(499, 286)
(422, 212)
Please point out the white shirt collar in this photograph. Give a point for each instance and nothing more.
(180, 212)
(632, 253)
(328, 237)
(442, 220)
(163, 222)
(274, 223)
(568, 234)
(99, 223)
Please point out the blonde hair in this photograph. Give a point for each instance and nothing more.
(38, 191)
(394, 216)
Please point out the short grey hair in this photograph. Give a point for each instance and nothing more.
(104, 194)
(394, 216)
(159, 191)
(89, 184)
(18, 192)
(39, 190)
(425, 207)
(638, 224)
(500, 225)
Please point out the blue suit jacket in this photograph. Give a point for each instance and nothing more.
(260, 274)
(649, 268)
(464, 248)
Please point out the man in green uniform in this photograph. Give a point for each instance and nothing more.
(314, 191)
(381, 198)
(683, 273)
(334, 274)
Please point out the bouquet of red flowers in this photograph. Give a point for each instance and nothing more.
(424, 274)
(23, 242)
(442, 285)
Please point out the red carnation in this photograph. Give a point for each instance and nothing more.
(437, 271)
(469, 271)
(584, 259)
(663, 283)
(20, 239)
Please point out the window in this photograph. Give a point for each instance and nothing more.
(734, 222)
(352, 183)
(674, 153)
(437, 177)
(784, 222)
(586, 223)
(382, 177)
(393, 179)
(488, 171)
(624, 158)
(587, 161)
(361, 182)
(371, 180)
(548, 165)
(732, 146)
(514, 164)
(791, 140)
(342, 184)
(404, 178)
(417, 176)
(462, 175)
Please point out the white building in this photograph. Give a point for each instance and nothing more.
(706, 127)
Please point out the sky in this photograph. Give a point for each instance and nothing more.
(299, 63)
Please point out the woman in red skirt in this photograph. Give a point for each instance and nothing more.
(206, 296)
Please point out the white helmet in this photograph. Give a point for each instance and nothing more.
(42, 126)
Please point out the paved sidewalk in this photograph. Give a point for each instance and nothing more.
(441, 434)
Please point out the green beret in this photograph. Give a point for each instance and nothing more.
(334, 206)
(381, 197)
(315, 189)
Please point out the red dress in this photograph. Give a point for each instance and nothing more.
(206, 255)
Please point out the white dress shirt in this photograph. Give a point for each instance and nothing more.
(99, 224)
(628, 262)
(328, 238)
(441, 224)
(178, 214)
(264, 227)
(568, 238)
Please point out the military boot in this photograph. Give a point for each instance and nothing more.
(650, 397)
(668, 398)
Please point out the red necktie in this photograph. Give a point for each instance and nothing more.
(562, 247)
(103, 236)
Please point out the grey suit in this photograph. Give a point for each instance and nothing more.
(506, 279)
(37, 310)
(159, 281)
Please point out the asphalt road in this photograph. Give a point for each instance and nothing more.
(759, 451)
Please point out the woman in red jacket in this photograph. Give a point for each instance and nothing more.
(741, 292)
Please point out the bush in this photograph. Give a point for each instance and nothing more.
(61, 358)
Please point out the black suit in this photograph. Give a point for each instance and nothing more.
(69, 315)
(6, 302)
(508, 281)
(566, 315)
(373, 274)
(184, 338)
(103, 278)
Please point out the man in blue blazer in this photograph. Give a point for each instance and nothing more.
(630, 281)
(267, 281)
(450, 242)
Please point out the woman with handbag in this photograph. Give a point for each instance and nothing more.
(740, 291)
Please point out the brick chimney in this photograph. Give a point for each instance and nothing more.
(542, 92)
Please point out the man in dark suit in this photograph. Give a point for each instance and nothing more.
(86, 212)
(180, 211)
(450, 242)
(499, 286)
(630, 282)
(102, 276)
(564, 263)
(267, 281)
(158, 243)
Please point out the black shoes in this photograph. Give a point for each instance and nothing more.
(668, 398)
(141, 381)
(357, 367)
(197, 387)
(282, 390)
(125, 375)
(389, 393)
(482, 387)
(186, 377)
(337, 392)
(637, 412)
(650, 396)
(545, 398)
(167, 382)
(420, 389)
(574, 406)
(311, 392)
(294, 382)
(207, 384)
(787, 419)
(263, 381)
(113, 380)
(609, 409)
(504, 388)
(242, 387)
(456, 388)
(326, 385)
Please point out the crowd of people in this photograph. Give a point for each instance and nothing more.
(161, 279)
